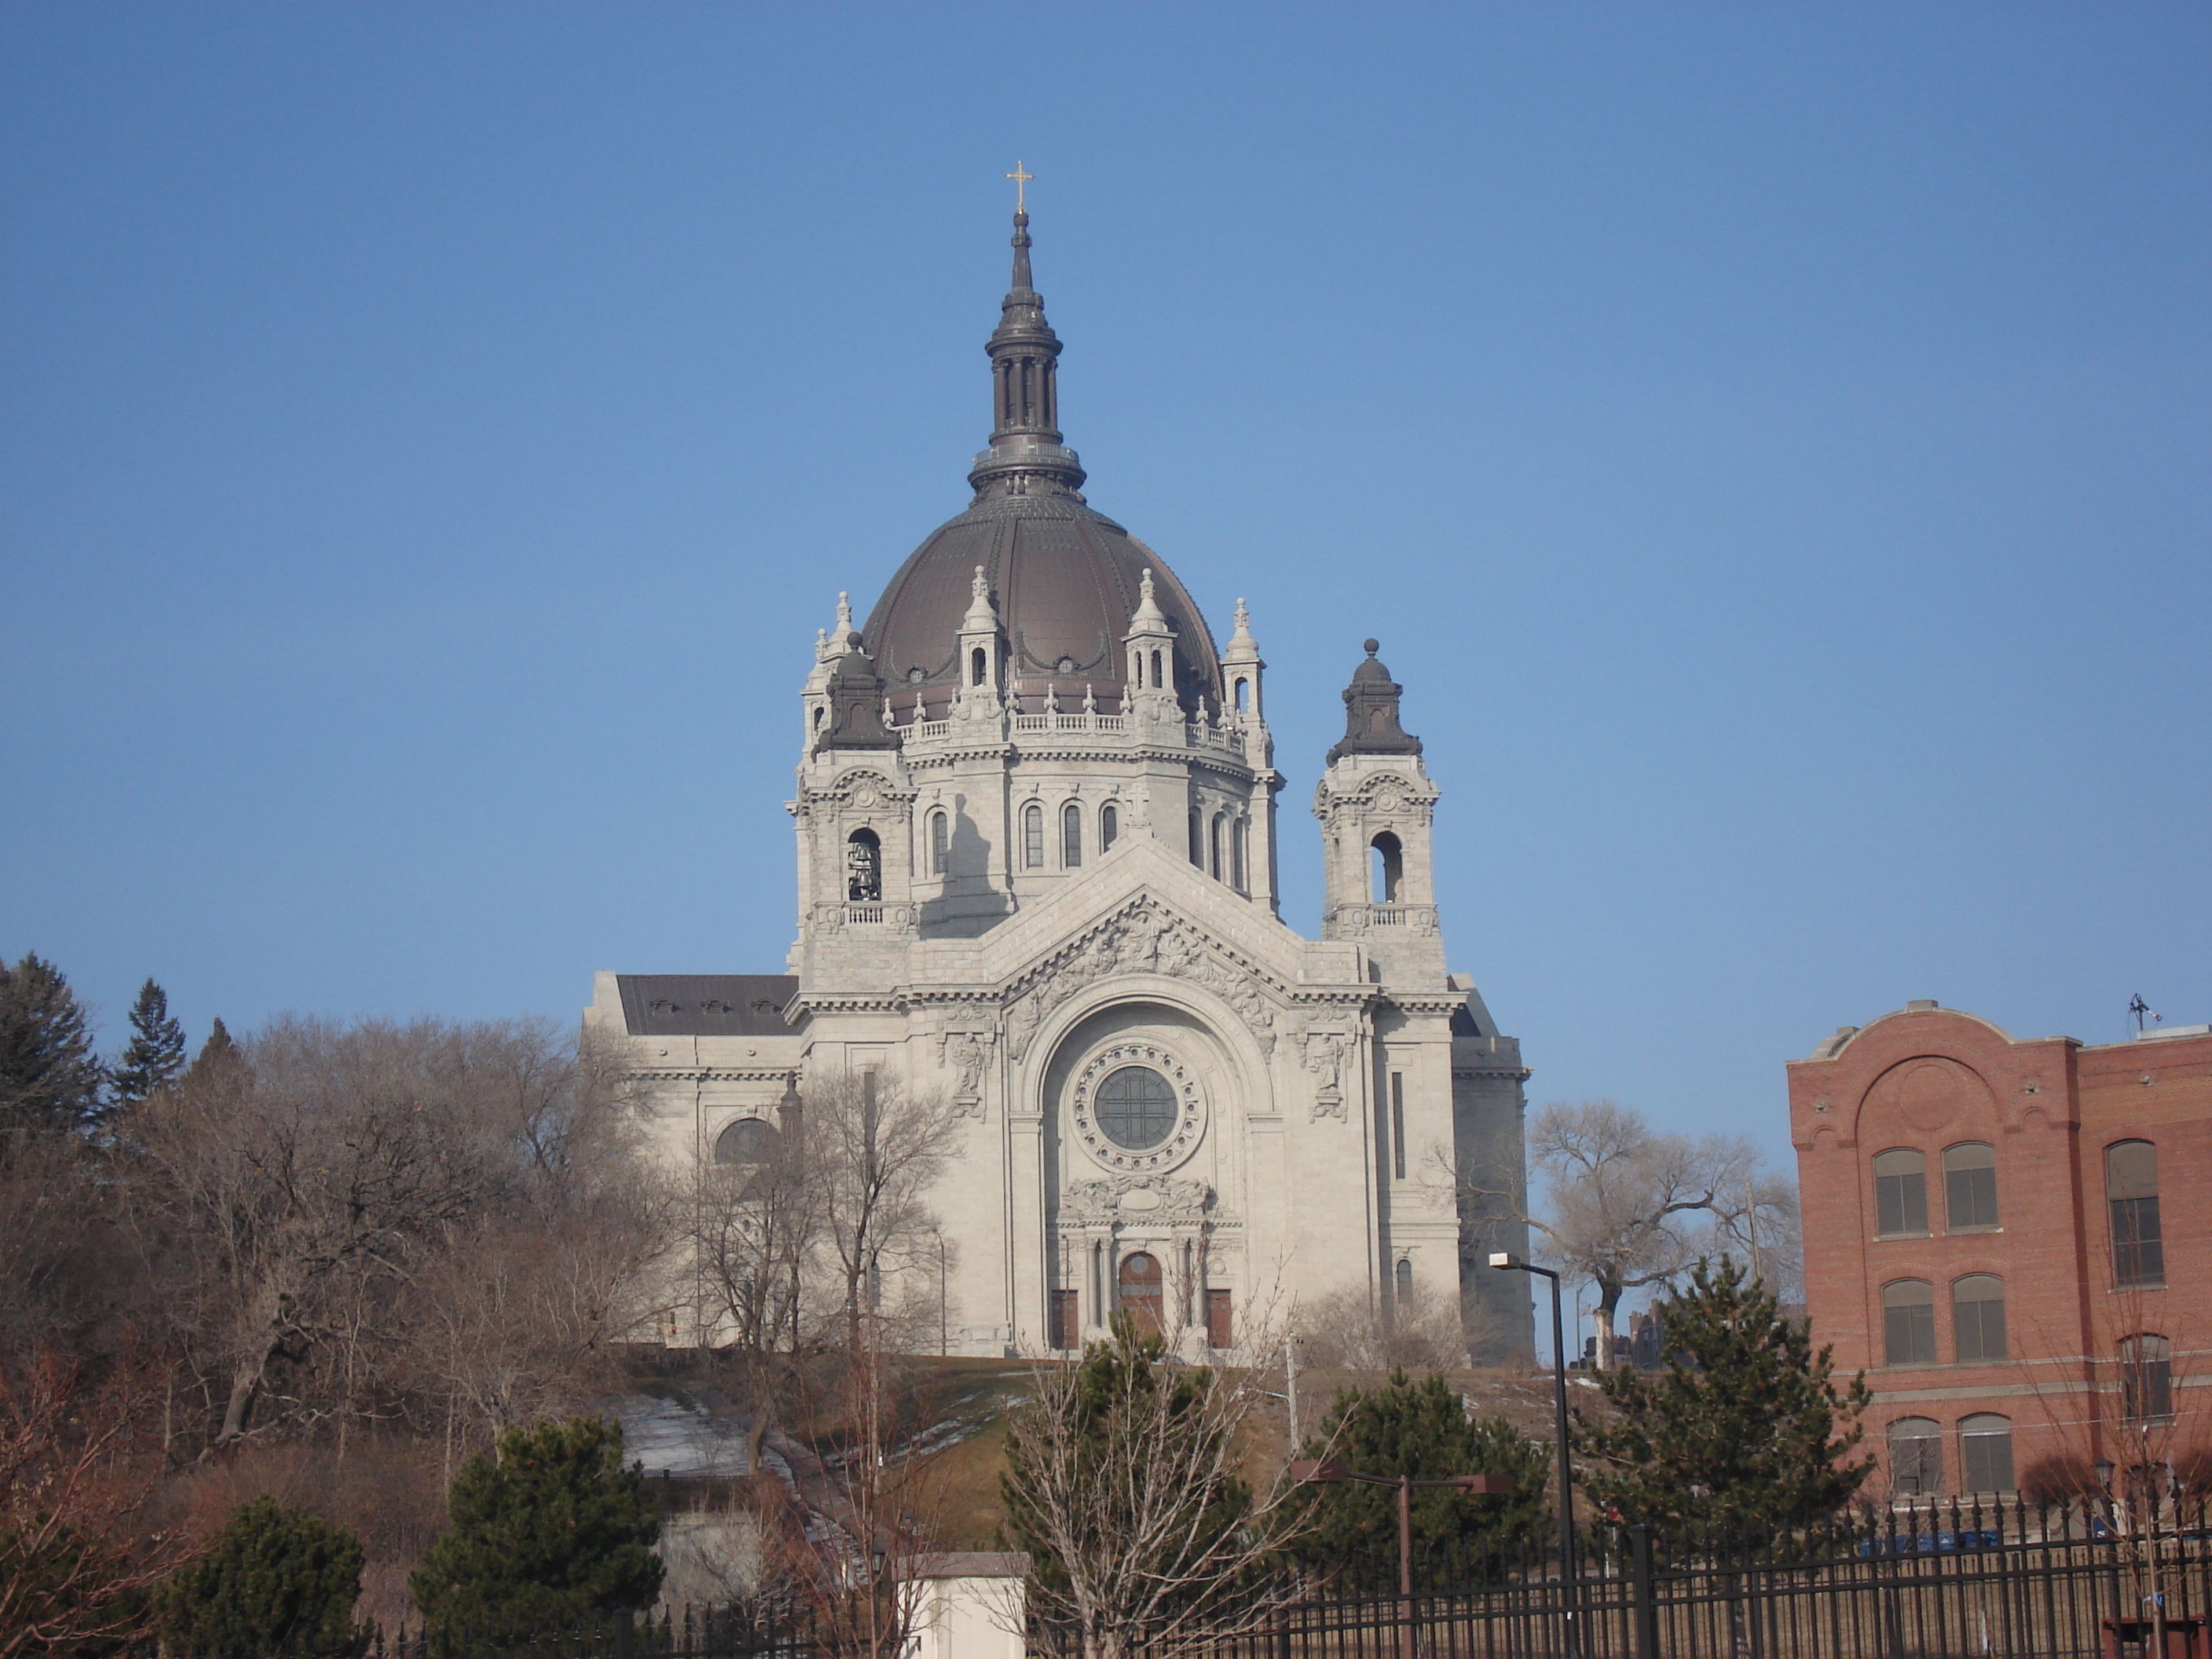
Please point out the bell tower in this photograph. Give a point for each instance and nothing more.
(1377, 810)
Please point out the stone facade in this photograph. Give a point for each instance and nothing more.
(1037, 863)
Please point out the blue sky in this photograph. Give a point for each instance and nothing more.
(1771, 442)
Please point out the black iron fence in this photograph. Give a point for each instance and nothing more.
(1960, 1582)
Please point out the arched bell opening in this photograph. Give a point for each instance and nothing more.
(864, 867)
(1387, 868)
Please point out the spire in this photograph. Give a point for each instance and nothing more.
(1026, 455)
(1022, 281)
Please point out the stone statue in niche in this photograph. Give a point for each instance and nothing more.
(967, 1055)
(1325, 1059)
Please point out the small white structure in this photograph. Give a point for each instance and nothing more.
(973, 1606)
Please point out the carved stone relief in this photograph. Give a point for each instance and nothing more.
(1144, 939)
(1120, 1197)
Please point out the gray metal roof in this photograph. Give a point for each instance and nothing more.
(706, 1005)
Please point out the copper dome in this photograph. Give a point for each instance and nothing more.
(1064, 579)
(1063, 576)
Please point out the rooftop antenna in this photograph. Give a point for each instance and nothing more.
(2142, 1011)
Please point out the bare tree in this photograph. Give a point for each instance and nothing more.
(1756, 1220)
(1123, 1480)
(872, 1153)
(320, 1206)
(873, 1501)
(1349, 1330)
(756, 1231)
(79, 1458)
(1625, 1206)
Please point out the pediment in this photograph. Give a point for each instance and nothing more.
(1143, 915)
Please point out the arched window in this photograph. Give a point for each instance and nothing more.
(1244, 695)
(1236, 854)
(1109, 826)
(820, 715)
(1071, 837)
(1388, 869)
(864, 867)
(1197, 841)
(1213, 845)
(1900, 1191)
(748, 1141)
(1985, 1452)
(2131, 1192)
(1033, 837)
(1157, 681)
(1908, 1322)
(940, 845)
(1140, 1287)
(1916, 1457)
(1970, 1186)
(979, 665)
(1978, 1317)
(1405, 1280)
(2145, 1379)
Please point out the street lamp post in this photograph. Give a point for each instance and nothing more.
(1506, 1262)
(1330, 1472)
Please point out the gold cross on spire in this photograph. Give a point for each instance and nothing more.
(1020, 179)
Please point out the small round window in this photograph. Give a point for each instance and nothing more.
(1136, 1108)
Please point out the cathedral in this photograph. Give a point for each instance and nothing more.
(1037, 863)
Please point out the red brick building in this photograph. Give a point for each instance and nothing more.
(2013, 1238)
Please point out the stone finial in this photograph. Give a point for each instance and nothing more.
(981, 614)
(1148, 608)
(845, 611)
(1090, 699)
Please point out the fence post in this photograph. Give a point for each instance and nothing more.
(1643, 1595)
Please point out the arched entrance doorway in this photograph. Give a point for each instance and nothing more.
(1141, 1291)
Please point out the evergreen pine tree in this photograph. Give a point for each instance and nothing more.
(50, 1078)
(276, 1581)
(1421, 1429)
(1746, 1429)
(220, 1059)
(549, 1529)
(156, 1052)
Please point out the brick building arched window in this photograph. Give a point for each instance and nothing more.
(1900, 1191)
(2131, 1194)
(1978, 1317)
(1908, 1322)
(1970, 1186)
(1916, 1457)
(1985, 1452)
